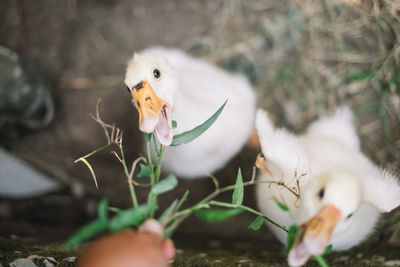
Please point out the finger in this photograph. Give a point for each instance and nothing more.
(168, 249)
(151, 226)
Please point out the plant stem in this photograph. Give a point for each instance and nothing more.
(149, 154)
(209, 201)
(321, 261)
(156, 178)
(250, 210)
(158, 167)
(155, 173)
(130, 184)
(95, 151)
(222, 190)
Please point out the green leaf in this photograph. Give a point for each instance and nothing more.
(102, 210)
(165, 185)
(114, 209)
(148, 136)
(92, 229)
(216, 215)
(281, 205)
(360, 77)
(190, 135)
(321, 261)
(168, 211)
(257, 223)
(174, 124)
(131, 217)
(171, 228)
(183, 199)
(145, 171)
(328, 250)
(237, 196)
(291, 237)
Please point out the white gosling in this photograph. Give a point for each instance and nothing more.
(340, 192)
(167, 85)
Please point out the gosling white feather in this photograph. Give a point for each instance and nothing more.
(341, 193)
(193, 89)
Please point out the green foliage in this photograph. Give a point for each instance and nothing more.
(165, 185)
(145, 171)
(281, 205)
(139, 213)
(328, 250)
(257, 223)
(131, 217)
(190, 135)
(216, 215)
(183, 199)
(238, 192)
(148, 136)
(321, 261)
(102, 210)
(90, 230)
(292, 234)
(168, 211)
(172, 216)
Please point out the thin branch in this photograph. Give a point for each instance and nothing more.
(215, 181)
(116, 155)
(134, 165)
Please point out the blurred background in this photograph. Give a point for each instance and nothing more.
(304, 58)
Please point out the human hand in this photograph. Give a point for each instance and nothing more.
(128, 248)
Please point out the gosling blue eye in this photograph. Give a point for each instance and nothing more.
(156, 73)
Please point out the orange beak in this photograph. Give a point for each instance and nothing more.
(154, 113)
(315, 237)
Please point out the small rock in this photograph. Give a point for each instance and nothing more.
(203, 255)
(359, 255)
(52, 259)
(70, 259)
(47, 263)
(392, 263)
(378, 258)
(22, 263)
(342, 258)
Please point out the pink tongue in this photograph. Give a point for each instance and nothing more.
(162, 126)
(163, 130)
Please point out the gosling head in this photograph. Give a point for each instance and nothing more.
(152, 83)
(327, 205)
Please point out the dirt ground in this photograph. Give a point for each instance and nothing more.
(84, 46)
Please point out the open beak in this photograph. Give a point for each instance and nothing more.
(315, 237)
(154, 113)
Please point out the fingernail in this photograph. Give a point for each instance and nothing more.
(152, 226)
